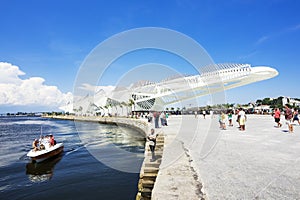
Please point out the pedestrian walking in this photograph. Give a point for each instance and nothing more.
(223, 120)
(162, 119)
(288, 117)
(295, 116)
(156, 119)
(277, 117)
(165, 122)
(230, 118)
(242, 119)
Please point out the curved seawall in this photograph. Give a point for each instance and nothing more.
(140, 125)
(149, 169)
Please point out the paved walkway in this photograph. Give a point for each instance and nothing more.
(259, 163)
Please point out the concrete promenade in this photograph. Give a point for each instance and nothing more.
(202, 161)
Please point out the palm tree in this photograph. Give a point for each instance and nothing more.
(116, 107)
(106, 107)
(110, 106)
(131, 104)
(99, 108)
(122, 105)
(80, 109)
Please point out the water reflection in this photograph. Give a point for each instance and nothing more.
(43, 171)
(118, 147)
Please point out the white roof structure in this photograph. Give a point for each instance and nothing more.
(212, 79)
(148, 95)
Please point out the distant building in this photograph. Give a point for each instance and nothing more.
(262, 109)
(291, 101)
(146, 95)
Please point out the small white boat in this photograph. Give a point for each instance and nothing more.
(40, 155)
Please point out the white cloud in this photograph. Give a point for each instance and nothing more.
(261, 40)
(247, 56)
(95, 89)
(15, 91)
(277, 34)
(294, 28)
(10, 73)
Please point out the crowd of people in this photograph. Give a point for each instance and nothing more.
(228, 117)
(159, 119)
(290, 115)
(158, 116)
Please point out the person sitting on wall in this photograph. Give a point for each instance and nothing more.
(152, 143)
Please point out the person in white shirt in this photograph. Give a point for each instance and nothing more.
(152, 143)
(242, 119)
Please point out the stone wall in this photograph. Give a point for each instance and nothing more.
(139, 124)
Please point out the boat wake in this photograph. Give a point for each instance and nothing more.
(24, 157)
(73, 150)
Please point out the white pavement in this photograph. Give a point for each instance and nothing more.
(259, 163)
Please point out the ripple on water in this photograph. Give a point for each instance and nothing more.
(77, 168)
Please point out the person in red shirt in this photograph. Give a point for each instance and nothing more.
(52, 141)
(277, 117)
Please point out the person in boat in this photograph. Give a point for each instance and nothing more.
(45, 141)
(35, 144)
(52, 140)
(42, 141)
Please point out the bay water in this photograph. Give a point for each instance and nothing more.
(74, 174)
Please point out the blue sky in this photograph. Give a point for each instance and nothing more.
(50, 39)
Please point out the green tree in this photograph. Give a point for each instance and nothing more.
(208, 107)
(126, 106)
(277, 103)
(266, 101)
(258, 102)
(106, 107)
(131, 104)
